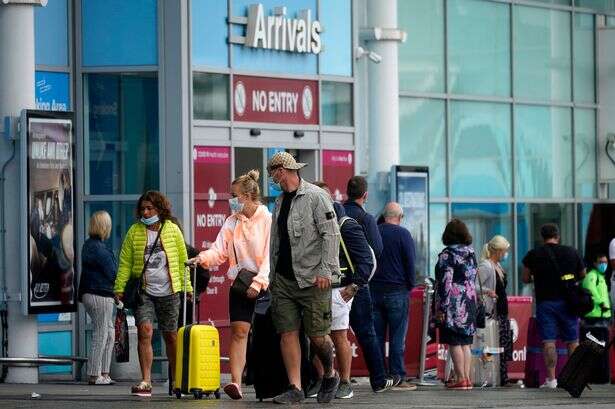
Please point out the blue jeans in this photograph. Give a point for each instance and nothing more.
(391, 315)
(362, 324)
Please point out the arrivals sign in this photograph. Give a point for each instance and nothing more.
(279, 31)
(258, 99)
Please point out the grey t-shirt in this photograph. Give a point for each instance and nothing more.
(157, 279)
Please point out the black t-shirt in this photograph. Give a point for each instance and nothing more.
(547, 281)
(284, 266)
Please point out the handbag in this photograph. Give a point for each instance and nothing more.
(134, 287)
(244, 278)
(481, 310)
(121, 346)
(578, 300)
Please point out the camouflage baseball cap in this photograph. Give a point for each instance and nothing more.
(284, 160)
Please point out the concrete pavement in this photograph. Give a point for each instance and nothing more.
(79, 395)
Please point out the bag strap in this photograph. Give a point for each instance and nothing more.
(346, 254)
(152, 249)
(233, 243)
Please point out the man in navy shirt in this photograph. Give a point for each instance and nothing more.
(390, 287)
(361, 313)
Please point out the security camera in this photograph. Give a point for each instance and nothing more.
(374, 57)
(360, 52)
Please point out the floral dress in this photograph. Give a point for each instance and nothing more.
(455, 289)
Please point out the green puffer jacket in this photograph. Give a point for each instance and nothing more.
(595, 283)
(132, 255)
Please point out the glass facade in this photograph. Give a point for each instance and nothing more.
(336, 103)
(121, 133)
(210, 94)
(498, 99)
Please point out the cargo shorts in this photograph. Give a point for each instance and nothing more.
(164, 310)
(291, 306)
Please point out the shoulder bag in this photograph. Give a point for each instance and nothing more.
(134, 287)
(578, 299)
(244, 278)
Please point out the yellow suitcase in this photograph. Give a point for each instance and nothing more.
(197, 358)
(197, 365)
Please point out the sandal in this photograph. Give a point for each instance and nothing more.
(142, 389)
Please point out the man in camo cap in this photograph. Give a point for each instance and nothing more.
(303, 256)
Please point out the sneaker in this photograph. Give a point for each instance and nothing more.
(405, 386)
(142, 389)
(312, 390)
(549, 384)
(111, 381)
(328, 389)
(388, 384)
(233, 391)
(292, 395)
(344, 391)
(101, 380)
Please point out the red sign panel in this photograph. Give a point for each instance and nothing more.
(258, 99)
(212, 180)
(337, 169)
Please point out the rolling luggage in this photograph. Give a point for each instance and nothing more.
(578, 371)
(601, 373)
(197, 361)
(485, 366)
(265, 364)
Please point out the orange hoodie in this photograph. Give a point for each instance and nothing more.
(250, 239)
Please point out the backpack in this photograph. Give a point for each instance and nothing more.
(347, 255)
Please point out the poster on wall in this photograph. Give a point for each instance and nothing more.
(212, 180)
(337, 169)
(49, 193)
(410, 188)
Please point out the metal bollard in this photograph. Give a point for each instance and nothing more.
(427, 294)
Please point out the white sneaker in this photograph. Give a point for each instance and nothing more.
(549, 384)
(108, 378)
(101, 380)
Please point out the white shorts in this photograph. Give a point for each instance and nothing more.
(340, 311)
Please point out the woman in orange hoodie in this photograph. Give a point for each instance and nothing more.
(244, 241)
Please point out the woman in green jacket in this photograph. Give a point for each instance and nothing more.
(595, 283)
(154, 249)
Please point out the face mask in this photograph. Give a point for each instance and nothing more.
(602, 267)
(505, 256)
(152, 220)
(274, 184)
(236, 206)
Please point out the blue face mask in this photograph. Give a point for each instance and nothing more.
(152, 220)
(275, 185)
(236, 206)
(505, 256)
(602, 267)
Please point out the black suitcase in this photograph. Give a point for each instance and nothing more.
(265, 366)
(578, 371)
(601, 373)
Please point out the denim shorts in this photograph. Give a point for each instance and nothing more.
(164, 310)
(555, 322)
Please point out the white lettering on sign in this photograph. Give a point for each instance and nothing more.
(210, 220)
(275, 101)
(300, 35)
(50, 150)
(50, 106)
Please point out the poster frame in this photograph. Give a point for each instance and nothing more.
(24, 166)
(420, 172)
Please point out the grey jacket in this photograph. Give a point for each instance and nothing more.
(314, 235)
(486, 275)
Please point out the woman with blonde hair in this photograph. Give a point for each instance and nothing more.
(493, 281)
(244, 241)
(98, 272)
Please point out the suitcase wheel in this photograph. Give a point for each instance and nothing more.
(178, 393)
(198, 394)
(217, 393)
